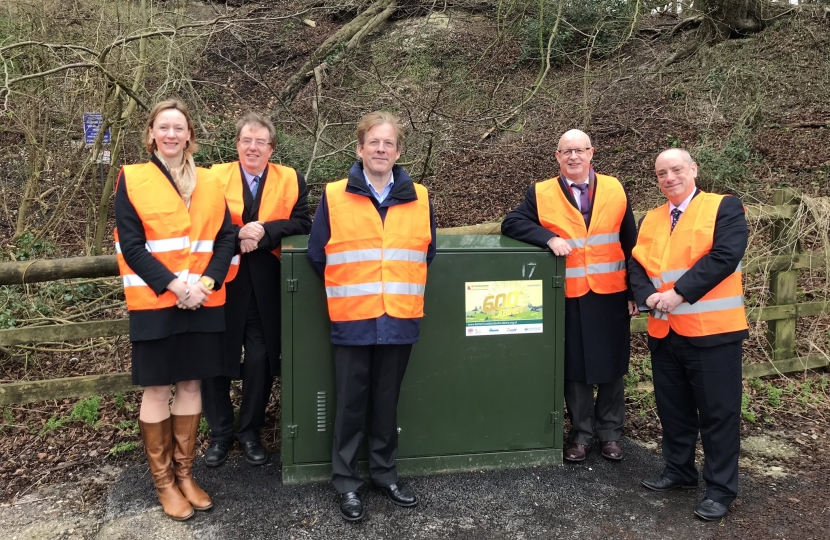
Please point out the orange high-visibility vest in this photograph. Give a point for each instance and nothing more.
(596, 262)
(376, 266)
(277, 202)
(181, 240)
(667, 255)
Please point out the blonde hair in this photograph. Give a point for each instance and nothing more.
(253, 119)
(150, 144)
(375, 119)
(183, 174)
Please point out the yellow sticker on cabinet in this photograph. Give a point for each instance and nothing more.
(503, 307)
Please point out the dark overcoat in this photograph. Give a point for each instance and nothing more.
(258, 278)
(597, 326)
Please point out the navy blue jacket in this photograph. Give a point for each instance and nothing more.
(384, 330)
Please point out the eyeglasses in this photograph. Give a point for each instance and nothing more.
(577, 151)
(259, 143)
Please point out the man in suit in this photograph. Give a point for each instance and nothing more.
(685, 269)
(587, 218)
(372, 240)
(267, 202)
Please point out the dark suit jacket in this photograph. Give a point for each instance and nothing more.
(728, 247)
(259, 277)
(597, 326)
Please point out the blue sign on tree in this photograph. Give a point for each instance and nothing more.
(92, 125)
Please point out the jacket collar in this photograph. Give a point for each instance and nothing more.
(403, 190)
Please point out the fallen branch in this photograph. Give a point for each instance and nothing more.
(350, 34)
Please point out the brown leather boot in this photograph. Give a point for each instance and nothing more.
(185, 429)
(158, 445)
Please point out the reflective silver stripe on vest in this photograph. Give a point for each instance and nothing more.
(201, 246)
(657, 314)
(408, 255)
(132, 280)
(593, 269)
(193, 278)
(606, 268)
(354, 256)
(168, 244)
(118, 247)
(574, 272)
(656, 282)
(401, 287)
(673, 275)
(598, 239)
(708, 306)
(575, 242)
(361, 289)
(235, 260)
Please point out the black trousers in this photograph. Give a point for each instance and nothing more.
(698, 389)
(256, 388)
(607, 415)
(368, 383)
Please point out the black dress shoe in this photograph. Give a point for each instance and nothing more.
(576, 452)
(255, 454)
(710, 510)
(664, 483)
(351, 507)
(217, 453)
(400, 495)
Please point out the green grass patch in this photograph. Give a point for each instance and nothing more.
(123, 448)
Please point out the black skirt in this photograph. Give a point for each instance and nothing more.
(179, 357)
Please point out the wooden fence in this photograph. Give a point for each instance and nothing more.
(783, 262)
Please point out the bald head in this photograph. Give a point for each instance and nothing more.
(676, 173)
(574, 138)
(574, 155)
(681, 153)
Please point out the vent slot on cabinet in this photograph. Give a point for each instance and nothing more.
(322, 418)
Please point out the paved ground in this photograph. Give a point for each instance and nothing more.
(597, 499)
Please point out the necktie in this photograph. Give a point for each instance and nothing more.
(254, 185)
(584, 200)
(675, 215)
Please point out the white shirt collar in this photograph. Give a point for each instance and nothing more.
(682, 206)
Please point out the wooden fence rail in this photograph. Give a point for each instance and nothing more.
(783, 262)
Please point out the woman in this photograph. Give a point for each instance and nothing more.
(174, 243)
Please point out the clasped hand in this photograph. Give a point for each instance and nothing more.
(666, 301)
(194, 299)
(249, 236)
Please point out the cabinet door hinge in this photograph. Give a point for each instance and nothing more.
(556, 282)
(292, 431)
(554, 418)
(291, 285)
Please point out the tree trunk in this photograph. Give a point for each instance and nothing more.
(726, 19)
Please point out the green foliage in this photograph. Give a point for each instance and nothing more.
(26, 248)
(87, 410)
(773, 396)
(47, 299)
(606, 23)
(204, 428)
(123, 448)
(52, 424)
(8, 417)
(130, 426)
(726, 168)
(673, 141)
(745, 412)
(119, 401)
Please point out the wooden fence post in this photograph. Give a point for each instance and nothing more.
(783, 284)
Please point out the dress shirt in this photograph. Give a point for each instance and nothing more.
(682, 206)
(380, 197)
(250, 178)
(575, 191)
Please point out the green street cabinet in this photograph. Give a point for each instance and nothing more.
(484, 387)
